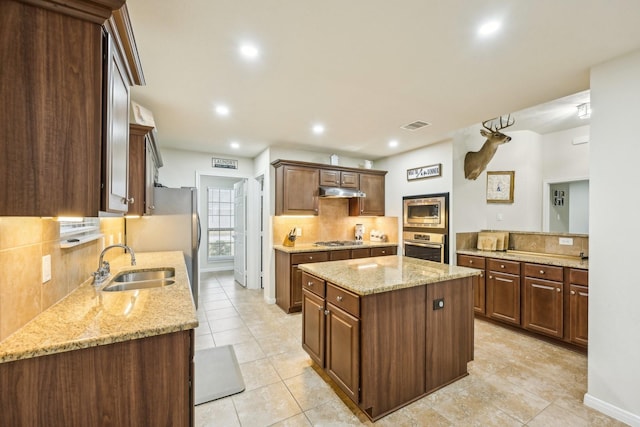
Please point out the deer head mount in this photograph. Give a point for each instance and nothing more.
(476, 161)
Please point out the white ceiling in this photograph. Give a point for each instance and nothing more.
(364, 68)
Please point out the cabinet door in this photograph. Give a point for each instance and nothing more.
(373, 204)
(329, 178)
(137, 169)
(296, 287)
(543, 306)
(349, 179)
(503, 297)
(115, 173)
(342, 358)
(150, 174)
(300, 195)
(579, 314)
(479, 283)
(313, 323)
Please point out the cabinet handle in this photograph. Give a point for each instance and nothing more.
(126, 200)
(557, 289)
(310, 257)
(309, 283)
(573, 292)
(470, 261)
(490, 277)
(501, 265)
(339, 298)
(383, 252)
(326, 312)
(482, 275)
(541, 271)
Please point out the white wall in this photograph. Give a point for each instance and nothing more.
(614, 283)
(579, 207)
(522, 155)
(561, 159)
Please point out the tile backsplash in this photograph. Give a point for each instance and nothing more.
(23, 243)
(332, 223)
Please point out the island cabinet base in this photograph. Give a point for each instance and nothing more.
(145, 381)
(409, 344)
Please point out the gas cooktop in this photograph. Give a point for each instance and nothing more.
(339, 243)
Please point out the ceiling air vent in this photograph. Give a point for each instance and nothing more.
(415, 125)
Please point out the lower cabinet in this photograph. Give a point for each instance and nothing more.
(543, 299)
(479, 283)
(289, 277)
(578, 307)
(331, 334)
(142, 382)
(503, 291)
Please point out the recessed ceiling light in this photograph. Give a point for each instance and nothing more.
(249, 51)
(489, 28)
(235, 145)
(318, 129)
(393, 143)
(222, 110)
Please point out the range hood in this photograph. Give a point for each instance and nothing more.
(336, 192)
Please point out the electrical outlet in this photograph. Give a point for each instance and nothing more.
(567, 241)
(298, 231)
(46, 268)
(438, 303)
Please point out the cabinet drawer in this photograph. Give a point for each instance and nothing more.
(511, 267)
(339, 255)
(308, 257)
(313, 284)
(471, 261)
(579, 277)
(344, 299)
(360, 253)
(391, 250)
(542, 271)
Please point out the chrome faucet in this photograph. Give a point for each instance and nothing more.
(104, 269)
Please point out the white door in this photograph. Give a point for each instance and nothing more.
(240, 232)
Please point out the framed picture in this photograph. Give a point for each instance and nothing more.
(500, 186)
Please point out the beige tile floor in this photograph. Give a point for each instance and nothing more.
(514, 380)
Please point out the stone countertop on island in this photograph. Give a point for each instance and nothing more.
(312, 247)
(367, 276)
(538, 258)
(88, 317)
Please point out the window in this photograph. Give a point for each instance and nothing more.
(220, 223)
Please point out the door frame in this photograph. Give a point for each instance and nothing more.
(546, 191)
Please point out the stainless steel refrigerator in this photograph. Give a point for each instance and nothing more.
(174, 226)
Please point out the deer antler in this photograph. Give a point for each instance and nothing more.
(497, 127)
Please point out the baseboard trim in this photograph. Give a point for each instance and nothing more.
(269, 300)
(612, 411)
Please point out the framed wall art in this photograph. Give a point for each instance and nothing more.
(500, 186)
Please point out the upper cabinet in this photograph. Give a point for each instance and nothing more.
(297, 187)
(144, 161)
(121, 71)
(372, 184)
(52, 104)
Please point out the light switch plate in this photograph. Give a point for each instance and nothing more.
(46, 268)
(298, 231)
(568, 241)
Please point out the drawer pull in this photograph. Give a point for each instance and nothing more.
(490, 277)
(557, 289)
(310, 257)
(470, 261)
(326, 312)
(573, 292)
(339, 298)
(383, 252)
(541, 271)
(501, 265)
(309, 283)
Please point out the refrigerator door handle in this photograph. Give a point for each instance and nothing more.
(199, 229)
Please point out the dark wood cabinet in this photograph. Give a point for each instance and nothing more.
(503, 291)
(138, 165)
(145, 381)
(313, 325)
(579, 307)
(297, 190)
(374, 204)
(289, 281)
(479, 284)
(336, 178)
(342, 361)
(50, 109)
(543, 299)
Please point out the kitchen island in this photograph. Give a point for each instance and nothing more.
(105, 358)
(388, 330)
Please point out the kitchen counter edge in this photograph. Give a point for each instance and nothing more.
(367, 276)
(89, 318)
(311, 247)
(536, 259)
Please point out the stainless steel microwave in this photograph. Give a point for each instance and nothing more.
(428, 212)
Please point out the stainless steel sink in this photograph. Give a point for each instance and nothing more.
(141, 279)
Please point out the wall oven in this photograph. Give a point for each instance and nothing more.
(426, 212)
(427, 246)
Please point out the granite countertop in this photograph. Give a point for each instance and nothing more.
(367, 276)
(311, 247)
(550, 259)
(88, 318)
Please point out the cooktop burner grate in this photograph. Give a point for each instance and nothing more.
(339, 243)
